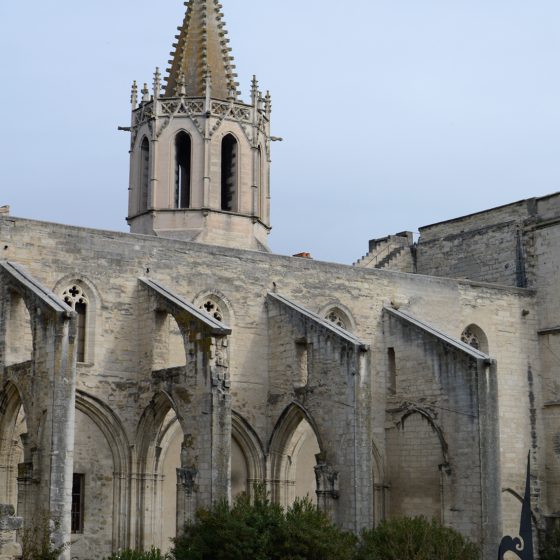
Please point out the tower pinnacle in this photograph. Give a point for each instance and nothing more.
(202, 47)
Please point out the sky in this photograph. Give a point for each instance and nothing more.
(395, 113)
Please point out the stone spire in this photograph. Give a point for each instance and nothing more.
(202, 47)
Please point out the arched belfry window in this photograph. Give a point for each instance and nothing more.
(183, 170)
(144, 173)
(230, 171)
(75, 298)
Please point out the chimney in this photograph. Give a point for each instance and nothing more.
(4, 210)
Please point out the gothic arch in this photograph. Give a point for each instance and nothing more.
(156, 428)
(111, 426)
(13, 436)
(474, 336)
(118, 446)
(149, 430)
(252, 449)
(419, 483)
(294, 431)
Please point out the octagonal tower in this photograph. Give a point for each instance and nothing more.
(200, 157)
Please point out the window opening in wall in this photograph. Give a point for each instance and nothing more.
(336, 317)
(77, 300)
(392, 371)
(230, 157)
(212, 308)
(81, 338)
(182, 170)
(144, 173)
(302, 358)
(77, 512)
(470, 338)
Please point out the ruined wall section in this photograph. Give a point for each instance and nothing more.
(489, 247)
(119, 377)
(439, 436)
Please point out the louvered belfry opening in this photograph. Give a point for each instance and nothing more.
(230, 163)
(144, 174)
(183, 170)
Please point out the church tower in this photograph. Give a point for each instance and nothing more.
(200, 157)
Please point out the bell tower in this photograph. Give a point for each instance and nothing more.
(200, 157)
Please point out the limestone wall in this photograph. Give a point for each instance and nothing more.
(262, 361)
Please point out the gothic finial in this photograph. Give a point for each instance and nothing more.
(134, 95)
(254, 90)
(268, 103)
(145, 94)
(157, 83)
(181, 84)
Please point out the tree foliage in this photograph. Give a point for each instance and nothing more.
(551, 545)
(37, 539)
(261, 530)
(130, 554)
(415, 539)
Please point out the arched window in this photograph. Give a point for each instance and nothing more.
(230, 167)
(78, 301)
(339, 318)
(182, 170)
(144, 173)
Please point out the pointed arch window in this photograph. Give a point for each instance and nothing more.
(230, 171)
(75, 298)
(183, 147)
(144, 173)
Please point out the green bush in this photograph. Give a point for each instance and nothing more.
(261, 530)
(551, 545)
(129, 554)
(415, 539)
(37, 543)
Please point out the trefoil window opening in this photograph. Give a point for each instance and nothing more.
(213, 309)
(77, 300)
(335, 317)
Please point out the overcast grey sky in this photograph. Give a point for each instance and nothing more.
(395, 113)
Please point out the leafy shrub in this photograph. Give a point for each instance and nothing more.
(129, 554)
(551, 545)
(262, 530)
(415, 539)
(37, 543)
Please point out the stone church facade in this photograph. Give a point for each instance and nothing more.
(145, 375)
